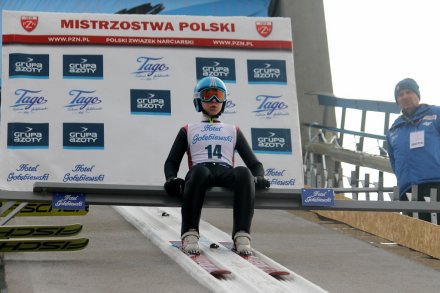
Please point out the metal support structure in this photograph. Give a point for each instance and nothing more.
(414, 197)
(434, 198)
(353, 184)
(380, 187)
(348, 156)
(333, 149)
(396, 195)
(340, 178)
(360, 144)
(336, 151)
(367, 184)
(341, 135)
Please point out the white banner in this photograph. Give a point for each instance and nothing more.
(97, 98)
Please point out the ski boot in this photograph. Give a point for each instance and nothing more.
(242, 243)
(190, 241)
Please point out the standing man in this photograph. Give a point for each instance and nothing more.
(210, 146)
(414, 143)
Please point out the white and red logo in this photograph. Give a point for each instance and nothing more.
(29, 23)
(264, 28)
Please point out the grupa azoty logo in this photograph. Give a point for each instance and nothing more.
(223, 68)
(28, 135)
(271, 140)
(83, 136)
(150, 102)
(267, 72)
(34, 66)
(83, 67)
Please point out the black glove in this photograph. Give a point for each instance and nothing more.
(174, 186)
(261, 182)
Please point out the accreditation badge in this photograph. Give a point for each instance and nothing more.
(417, 139)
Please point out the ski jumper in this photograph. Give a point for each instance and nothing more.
(210, 148)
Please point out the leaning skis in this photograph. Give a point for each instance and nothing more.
(39, 231)
(31, 245)
(29, 238)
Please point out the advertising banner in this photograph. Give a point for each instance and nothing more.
(100, 98)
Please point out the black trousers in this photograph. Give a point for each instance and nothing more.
(424, 190)
(203, 176)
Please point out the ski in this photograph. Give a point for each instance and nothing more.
(258, 262)
(30, 245)
(203, 261)
(40, 231)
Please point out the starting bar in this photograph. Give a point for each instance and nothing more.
(140, 195)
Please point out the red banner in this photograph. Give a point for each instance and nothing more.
(146, 41)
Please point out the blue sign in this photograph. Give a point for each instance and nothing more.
(83, 66)
(317, 197)
(267, 71)
(28, 65)
(69, 201)
(271, 140)
(83, 136)
(150, 102)
(28, 135)
(223, 68)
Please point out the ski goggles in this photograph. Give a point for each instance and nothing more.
(208, 95)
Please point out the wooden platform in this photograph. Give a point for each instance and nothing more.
(407, 231)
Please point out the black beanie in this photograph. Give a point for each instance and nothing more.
(407, 84)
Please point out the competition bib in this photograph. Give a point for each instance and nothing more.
(211, 142)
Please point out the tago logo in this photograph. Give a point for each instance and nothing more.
(270, 106)
(29, 101)
(271, 140)
(150, 102)
(28, 65)
(83, 136)
(83, 101)
(83, 66)
(29, 23)
(150, 68)
(28, 135)
(217, 67)
(267, 71)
